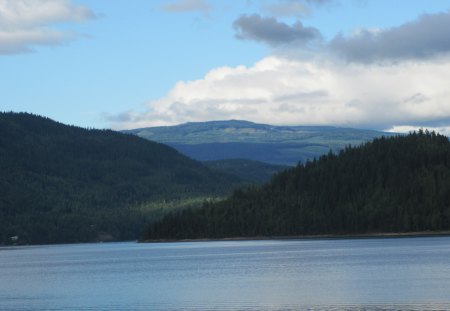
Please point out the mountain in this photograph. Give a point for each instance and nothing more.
(248, 170)
(281, 145)
(395, 184)
(62, 183)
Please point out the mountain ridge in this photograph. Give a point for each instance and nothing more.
(275, 144)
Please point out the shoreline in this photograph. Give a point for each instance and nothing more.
(386, 235)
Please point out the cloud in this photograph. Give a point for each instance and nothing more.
(187, 6)
(393, 79)
(278, 90)
(25, 23)
(286, 8)
(273, 32)
(426, 37)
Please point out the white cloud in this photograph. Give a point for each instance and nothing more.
(26, 23)
(278, 90)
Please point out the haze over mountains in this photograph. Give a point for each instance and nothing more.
(233, 139)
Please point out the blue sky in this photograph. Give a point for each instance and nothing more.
(127, 64)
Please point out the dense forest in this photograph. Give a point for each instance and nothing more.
(62, 183)
(248, 170)
(395, 184)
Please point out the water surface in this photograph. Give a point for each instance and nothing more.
(366, 274)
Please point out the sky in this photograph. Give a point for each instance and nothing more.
(123, 64)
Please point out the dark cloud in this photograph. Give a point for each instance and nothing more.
(273, 32)
(432, 122)
(426, 37)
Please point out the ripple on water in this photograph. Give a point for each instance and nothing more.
(165, 307)
(408, 274)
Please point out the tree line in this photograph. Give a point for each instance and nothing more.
(62, 183)
(394, 184)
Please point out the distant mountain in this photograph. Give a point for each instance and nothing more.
(282, 145)
(247, 170)
(62, 183)
(396, 184)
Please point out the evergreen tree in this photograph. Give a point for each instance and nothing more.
(395, 184)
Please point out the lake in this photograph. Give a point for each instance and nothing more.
(344, 274)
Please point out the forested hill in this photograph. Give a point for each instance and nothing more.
(252, 171)
(235, 139)
(397, 184)
(62, 183)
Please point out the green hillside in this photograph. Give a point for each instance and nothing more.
(396, 184)
(62, 183)
(282, 145)
(247, 170)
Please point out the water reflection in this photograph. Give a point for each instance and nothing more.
(373, 274)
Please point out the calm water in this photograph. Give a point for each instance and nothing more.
(371, 274)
